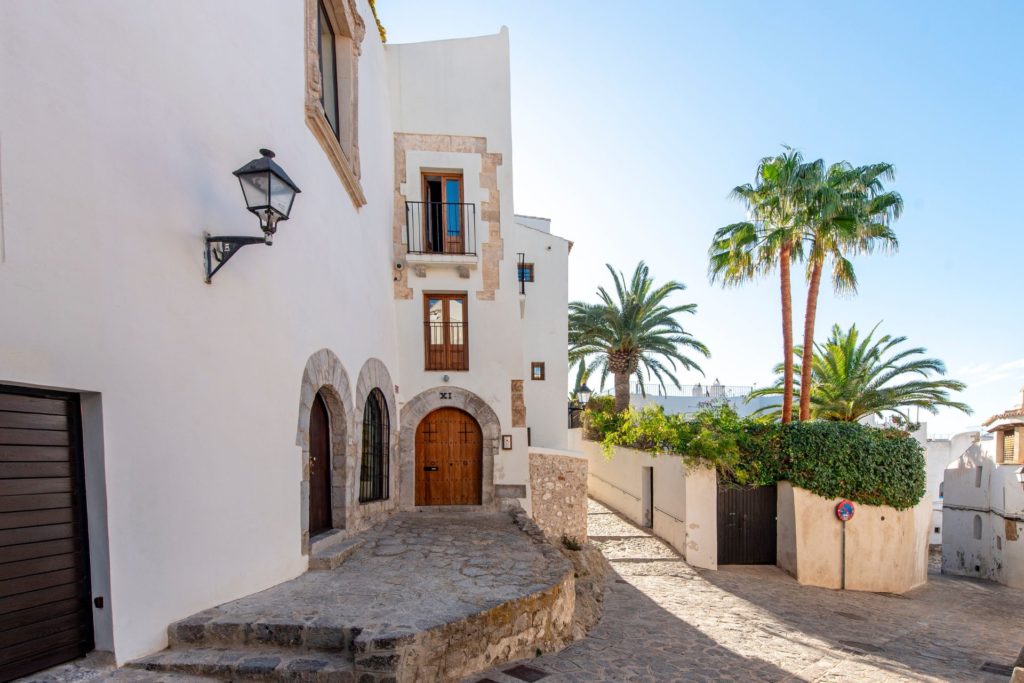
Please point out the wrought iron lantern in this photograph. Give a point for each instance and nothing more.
(583, 394)
(1020, 476)
(269, 194)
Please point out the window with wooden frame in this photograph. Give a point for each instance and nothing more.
(334, 33)
(537, 371)
(444, 220)
(446, 331)
(526, 272)
(1009, 439)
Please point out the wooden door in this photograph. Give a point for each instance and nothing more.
(444, 227)
(449, 459)
(45, 594)
(746, 525)
(319, 468)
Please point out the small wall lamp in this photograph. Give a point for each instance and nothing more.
(1020, 476)
(269, 194)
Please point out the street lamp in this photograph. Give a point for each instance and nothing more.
(269, 194)
(1020, 476)
(583, 394)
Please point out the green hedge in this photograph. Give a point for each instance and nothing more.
(832, 459)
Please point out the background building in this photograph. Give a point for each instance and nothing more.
(983, 504)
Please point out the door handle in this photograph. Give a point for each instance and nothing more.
(431, 468)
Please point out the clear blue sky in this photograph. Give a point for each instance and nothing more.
(632, 121)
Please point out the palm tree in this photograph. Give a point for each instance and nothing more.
(771, 237)
(632, 332)
(849, 212)
(855, 377)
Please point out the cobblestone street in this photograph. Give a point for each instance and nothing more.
(666, 621)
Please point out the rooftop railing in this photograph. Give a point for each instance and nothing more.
(694, 390)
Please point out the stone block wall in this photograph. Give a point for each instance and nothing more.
(558, 493)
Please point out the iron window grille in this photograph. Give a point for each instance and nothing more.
(373, 475)
(524, 272)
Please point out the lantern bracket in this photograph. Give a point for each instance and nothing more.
(220, 249)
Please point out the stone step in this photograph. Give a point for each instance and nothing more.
(260, 664)
(332, 555)
(210, 629)
(130, 675)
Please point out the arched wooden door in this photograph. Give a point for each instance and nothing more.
(319, 468)
(449, 459)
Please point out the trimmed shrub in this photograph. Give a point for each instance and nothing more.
(849, 460)
(832, 459)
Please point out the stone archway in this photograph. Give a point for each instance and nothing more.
(324, 374)
(425, 403)
(373, 375)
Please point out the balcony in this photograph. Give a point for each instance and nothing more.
(440, 228)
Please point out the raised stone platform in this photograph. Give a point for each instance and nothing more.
(426, 596)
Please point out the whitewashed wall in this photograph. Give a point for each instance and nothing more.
(997, 499)
(545, 330)
(685, 500)
(116, 155)
(939, 453)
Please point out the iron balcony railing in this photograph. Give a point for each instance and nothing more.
(447, 347)
(440, 228)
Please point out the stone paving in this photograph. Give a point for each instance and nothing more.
(666, 621)
(425, 596)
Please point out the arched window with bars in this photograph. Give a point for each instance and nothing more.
(373, 475)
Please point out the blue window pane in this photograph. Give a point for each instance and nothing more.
(453, 209)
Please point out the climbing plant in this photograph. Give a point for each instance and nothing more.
(380, 27)
(834, 460)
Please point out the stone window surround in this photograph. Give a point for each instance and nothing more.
(325, 374)
(427, 402)
(491, 249)
(347, 21)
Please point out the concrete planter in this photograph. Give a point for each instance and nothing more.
(882, 549)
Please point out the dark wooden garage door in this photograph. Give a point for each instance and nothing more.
(746, 525)
(45, 612)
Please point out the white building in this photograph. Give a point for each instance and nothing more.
(693, 398)
(939, 453)
(983, 504)
(167, 444)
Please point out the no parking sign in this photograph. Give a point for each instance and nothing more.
(844, 510)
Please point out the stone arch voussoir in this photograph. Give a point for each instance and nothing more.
(325, 374)
(425, 403)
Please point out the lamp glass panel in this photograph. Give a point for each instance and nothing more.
(281, 196)
(255, 187)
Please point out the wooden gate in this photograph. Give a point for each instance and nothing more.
(449, 459)
(45, 595)
(746, 525)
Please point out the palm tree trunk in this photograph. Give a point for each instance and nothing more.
(787, 334)
(807, 361)
(621, 391)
